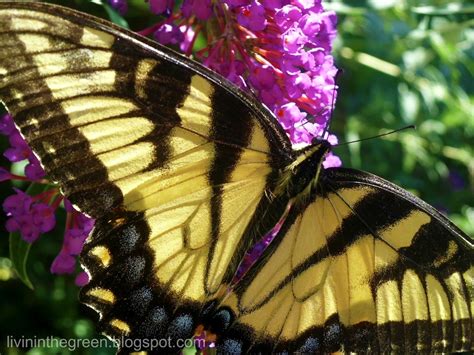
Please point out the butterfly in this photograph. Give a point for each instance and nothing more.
(184, 173)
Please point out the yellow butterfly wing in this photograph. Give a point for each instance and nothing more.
(363, 267)
(171, 161)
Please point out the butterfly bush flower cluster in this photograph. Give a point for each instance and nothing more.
(32, 216)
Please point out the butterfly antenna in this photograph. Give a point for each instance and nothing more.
(333, 102)
(377, 136)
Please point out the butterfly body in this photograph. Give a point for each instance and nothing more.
(299, 179)
(184, 174)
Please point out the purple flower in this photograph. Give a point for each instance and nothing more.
(80, 221)
(311, 24)
(68, 206)
(6, 125)
(272, 4)
(272, 96)
(202, 9)
(331, 161)
(85, 223)
(297, 84)
(306, 4)
(188, 41)
(263, 77)
(28, 217)
(34, 170)
(252, 16)
(236, 3)
(63, 264)
(77, 230)
(43, 217)
(82, 279)
(169, 34)
(29, 231)
(328, 30)
(19, 150)
(287, 16)
(74, 241)
(293, 40)
(15, 205)
(24, 224)
(289, 115)
(161, 6)
(256, 251)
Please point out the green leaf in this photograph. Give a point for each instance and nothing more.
(115, 17)
(450, 9)
(19, 250)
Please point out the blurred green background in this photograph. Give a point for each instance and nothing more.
(404, 62)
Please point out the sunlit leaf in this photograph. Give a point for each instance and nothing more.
(19, 250)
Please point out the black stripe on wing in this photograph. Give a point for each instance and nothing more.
(36, 102)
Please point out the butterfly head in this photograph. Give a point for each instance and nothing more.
(300, 177)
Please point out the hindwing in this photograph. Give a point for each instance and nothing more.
(364, 266)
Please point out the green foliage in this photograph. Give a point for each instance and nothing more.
(403, 62)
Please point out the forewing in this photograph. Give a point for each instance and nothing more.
(171, 161)
(364, 266)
